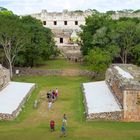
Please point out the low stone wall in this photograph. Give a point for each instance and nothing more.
(15, 113)
(4, 77)
(66, 72)
(115, 116)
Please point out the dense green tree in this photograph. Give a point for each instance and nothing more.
(93, 26)
(40, 44)
(12, 38)
(25, 41)
(126, 38)
(136, 55)
(4, 11)
(118, 38)
(98, 60)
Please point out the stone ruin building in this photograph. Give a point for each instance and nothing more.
(123, 84)
(13, 95)
(4, 77)
(118, 15)
(65, 26)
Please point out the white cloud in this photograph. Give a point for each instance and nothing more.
(34, 6)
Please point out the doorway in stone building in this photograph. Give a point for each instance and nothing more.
(61, 40)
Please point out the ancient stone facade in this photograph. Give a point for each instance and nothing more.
(65, 26)
(4, 77)
(55, 72)
(124, 82)
(63, 23)
(113, 116)
(116, 16)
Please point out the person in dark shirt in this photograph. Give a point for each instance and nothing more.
(49, 95)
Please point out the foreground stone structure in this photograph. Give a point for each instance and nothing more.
(13, 95)
(4, 77)
(123, 80)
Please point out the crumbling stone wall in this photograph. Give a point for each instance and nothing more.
(4, 77)
(131, 105)
(59, 28)
(53, 72)
(127, 91)
(114, 84)
(129, 15)
(115, 116)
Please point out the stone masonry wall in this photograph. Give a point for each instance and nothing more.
(115, 116)
(53, 72)
(4, 77)
(114, 85)
(127, 92)
(131, 106)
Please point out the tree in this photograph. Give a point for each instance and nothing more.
(12, 36)
(4, 11)
(117, 37)
(40, 44)
(94, 23)
(136, 54)
(98, 60)
(111, 12)
(125, 37)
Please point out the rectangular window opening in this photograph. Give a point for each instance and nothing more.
(44, 22)
(61, 40)
(55, 22)
(76, 22)
(65, 23)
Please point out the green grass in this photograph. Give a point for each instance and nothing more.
(61, 64)
(33, 124)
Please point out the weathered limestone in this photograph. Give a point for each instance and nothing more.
(63, 23)
(129, 15)
(123, 80)
(114, 116)
(65, 26)
(4, 77)
(126, 88)
(67, 72)
(4, 83)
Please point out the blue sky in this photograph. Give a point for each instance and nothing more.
(22, 7)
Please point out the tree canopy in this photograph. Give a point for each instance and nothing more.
(25, 41)
(118, 39)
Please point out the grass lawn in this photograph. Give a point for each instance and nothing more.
(61, 64)
(33, 124)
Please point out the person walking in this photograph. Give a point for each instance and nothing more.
(52, 125)
(53, 95)
(49, 105)
(63, 130)
(64, 120)
(56, 93)
(49, 95)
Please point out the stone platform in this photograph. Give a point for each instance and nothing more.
(100, 102)
(12, 98)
